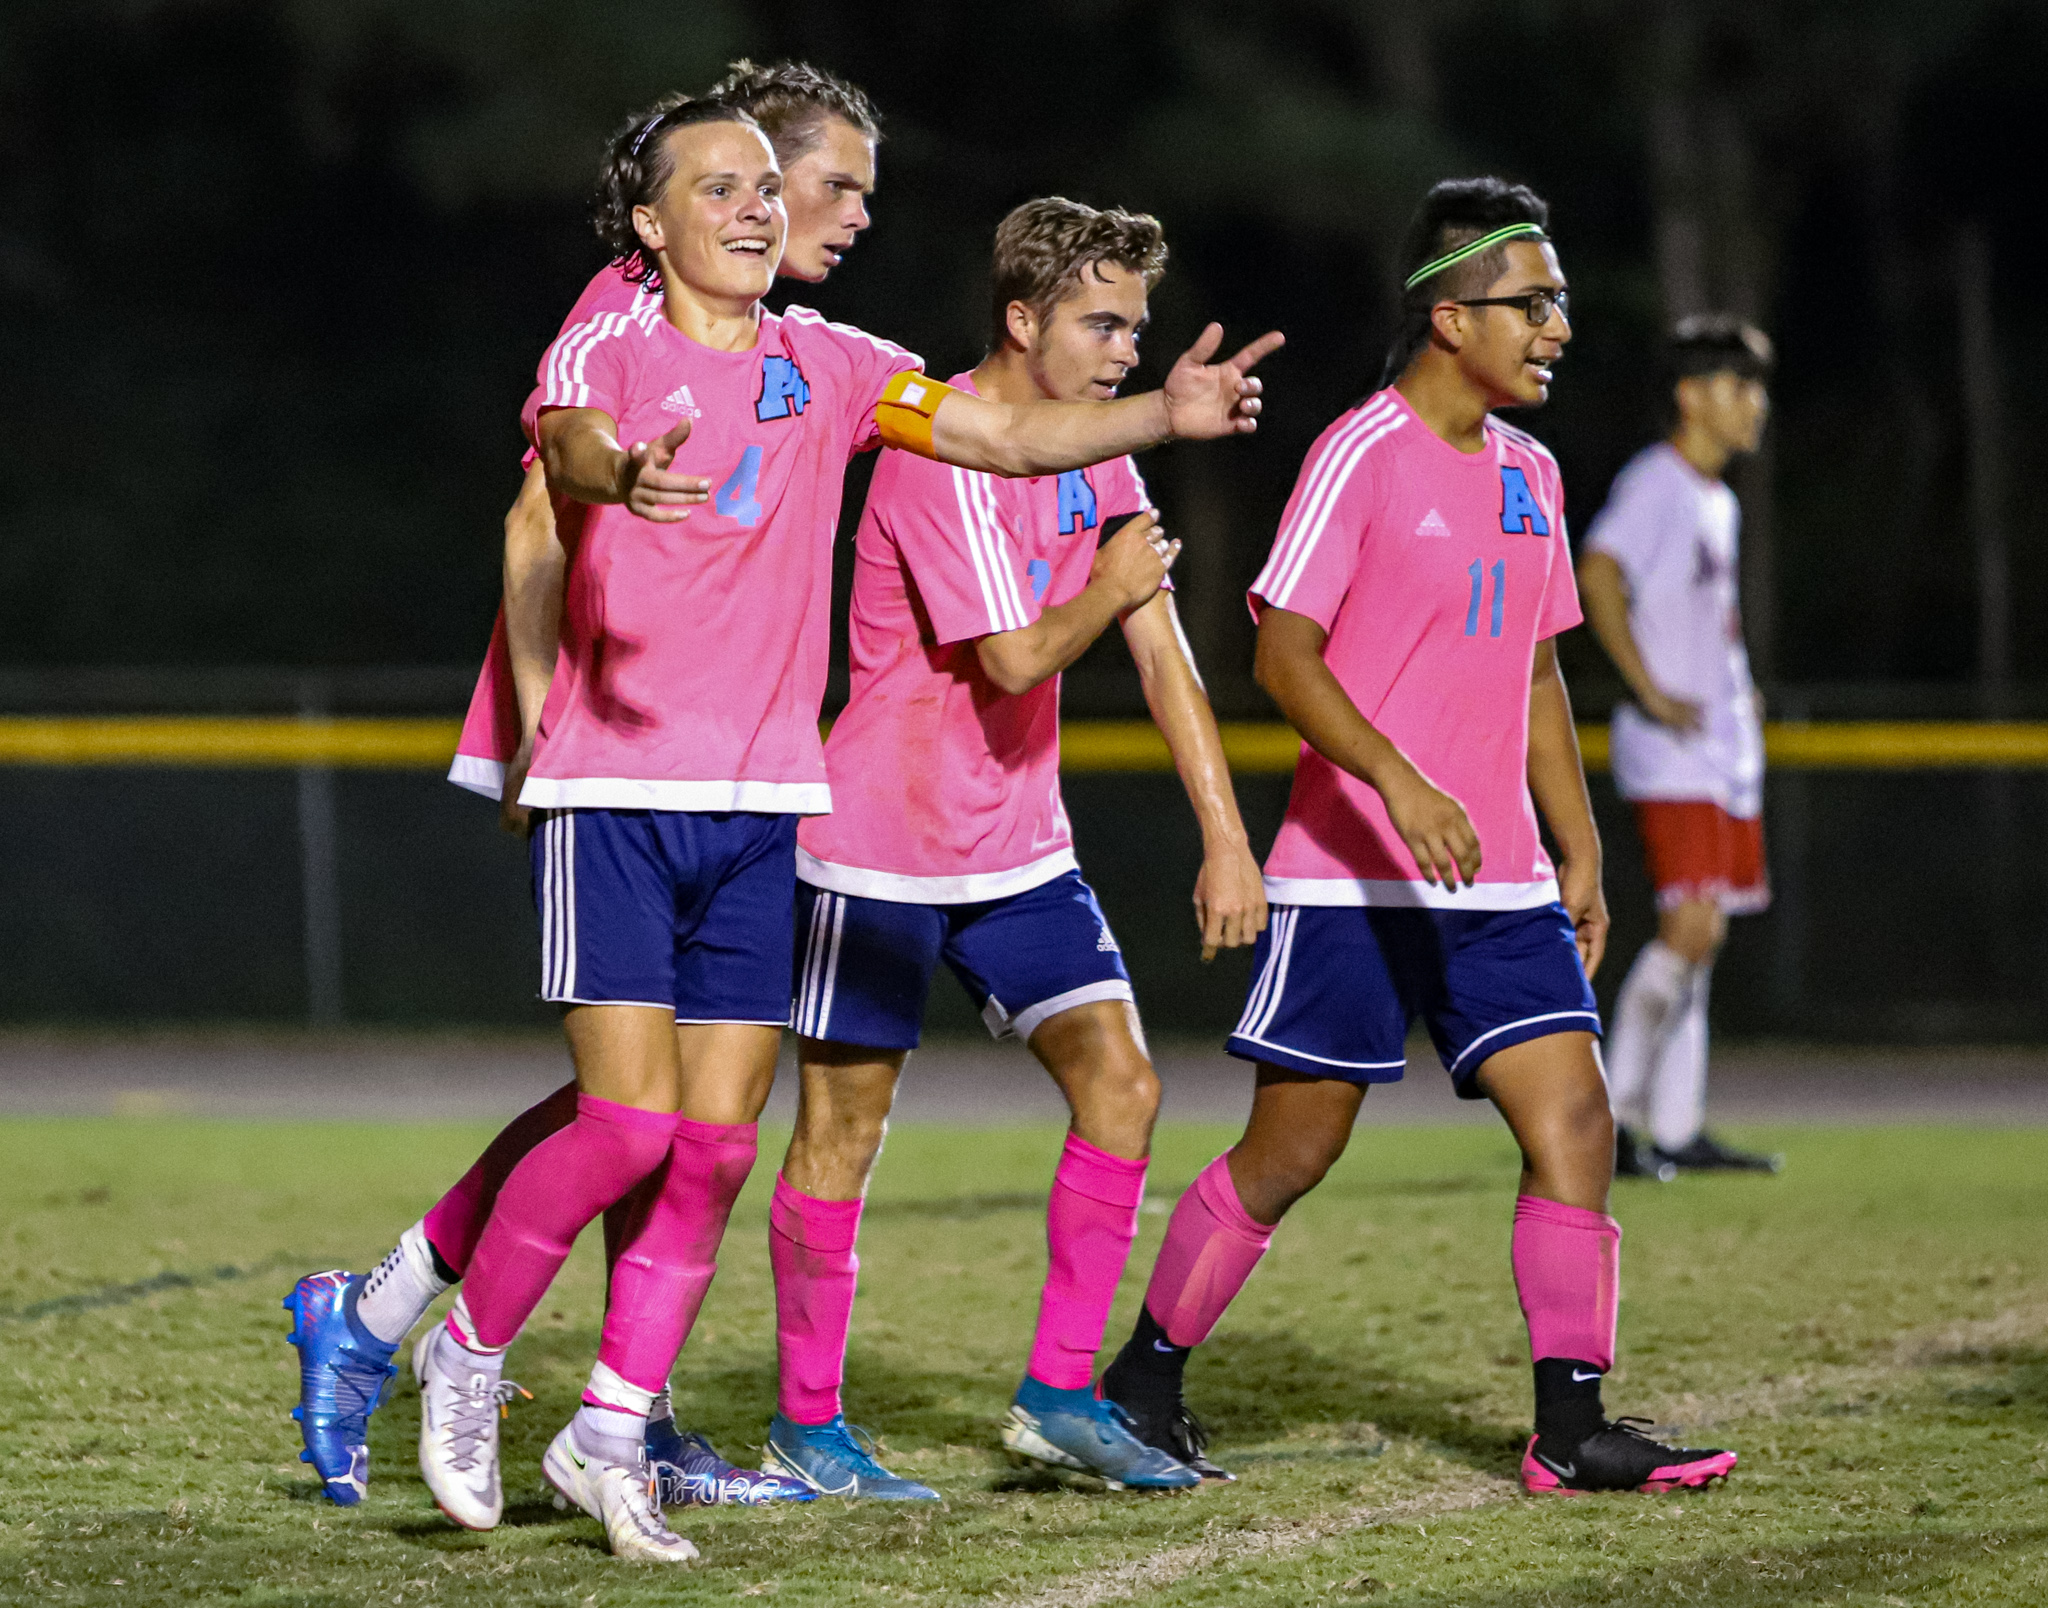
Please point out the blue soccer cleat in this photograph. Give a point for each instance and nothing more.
(343, 1370)
(1076, 1429)
(829, 1459)
(688, 1473)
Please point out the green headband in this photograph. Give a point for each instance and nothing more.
(1513, 231)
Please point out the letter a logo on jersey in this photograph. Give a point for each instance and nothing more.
(1519, 513)
(1077, 503)
(784, 391)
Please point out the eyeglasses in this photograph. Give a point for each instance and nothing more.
(1536, 305)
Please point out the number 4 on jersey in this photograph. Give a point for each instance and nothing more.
(735, 499)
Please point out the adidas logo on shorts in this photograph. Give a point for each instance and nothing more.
(680, 401)
(1433, 524)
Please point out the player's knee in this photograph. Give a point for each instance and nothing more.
(1694, 930)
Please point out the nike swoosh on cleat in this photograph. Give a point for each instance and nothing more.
(1561, 1470)
(1580, 1378)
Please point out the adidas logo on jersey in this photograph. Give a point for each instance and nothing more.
(1106, 945)
(680, 401)
(1433, 524)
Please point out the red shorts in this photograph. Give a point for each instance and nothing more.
(1697, 850)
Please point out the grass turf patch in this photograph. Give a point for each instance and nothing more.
(1869, 1330)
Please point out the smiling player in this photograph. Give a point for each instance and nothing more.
(948, 841)
(677, 748)
(1421, 574)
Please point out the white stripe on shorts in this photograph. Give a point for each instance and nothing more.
(821, 965)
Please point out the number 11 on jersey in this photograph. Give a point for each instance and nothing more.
(1500, 582)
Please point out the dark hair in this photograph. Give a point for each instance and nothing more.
(792, 101)
(1455, 213)
(1715, 343)
(1044, 246)
(638, 166)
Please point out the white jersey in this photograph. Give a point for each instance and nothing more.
(1673, 531)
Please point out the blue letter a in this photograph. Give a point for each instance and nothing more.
(1077, 503)
(1518, 503)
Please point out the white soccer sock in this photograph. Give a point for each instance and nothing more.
(1678, 1083)
(1650, 996)
(400, 1288)
(663, 1406)
(459, 1331)
(614, 1424)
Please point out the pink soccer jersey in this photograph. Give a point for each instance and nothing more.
(1436, 573)
(945, 789)
(490, 731)
(693, 654)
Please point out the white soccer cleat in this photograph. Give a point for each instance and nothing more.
(620, 1496)
(460, 1406)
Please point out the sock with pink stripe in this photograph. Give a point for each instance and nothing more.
(1568, 1275)
(612, 1421)
(563, 1182)
(810, 1243)
(1090, 1222)
(667, 1259)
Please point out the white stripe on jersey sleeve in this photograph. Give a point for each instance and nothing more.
(1002, 557)
(1293, 529)
(970, 525)
(1340, 463)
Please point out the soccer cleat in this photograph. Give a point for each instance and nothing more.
(836, 1459)
(620, 1496)
(1618, 1457)
(1638, 1160)
(1180, 1435)
(688, 1473)
(1076, 1429)
(343, 1370)
(460, 1406)
(1707, 1154)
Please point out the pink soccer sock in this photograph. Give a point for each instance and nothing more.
(565, 1181)
(456, 1221)
(666, 1261)
(1568, 1275)
(810, 1244)
(1090, 1222)
(1211, 1247)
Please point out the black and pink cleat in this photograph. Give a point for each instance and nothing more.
(1619, 1457)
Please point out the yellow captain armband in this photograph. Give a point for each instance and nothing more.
(905, 412)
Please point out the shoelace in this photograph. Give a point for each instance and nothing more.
(1192, 1433)
(479, 1404)
(357, 1386)
(855, 1447)
(643, 1505)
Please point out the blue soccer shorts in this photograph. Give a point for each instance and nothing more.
(682, 909)
(864, 966)
(1335, 987)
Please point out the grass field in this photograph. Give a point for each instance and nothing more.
(1870, 1331)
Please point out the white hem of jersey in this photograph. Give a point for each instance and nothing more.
(630, 793)
(1320, 1060)
(1002, 1025)
(484, 776)
(1527, 1021)
(1392, 895)
(975, 888)
(1692, 794)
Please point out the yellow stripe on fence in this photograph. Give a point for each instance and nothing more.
(1085, 745)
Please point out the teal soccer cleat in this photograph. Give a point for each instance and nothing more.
(828, 1459)
(1076, 1430)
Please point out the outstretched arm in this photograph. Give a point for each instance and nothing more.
(584, 460)
(1200, 401)
(535, 567)
(1433, 824)
(1557, 782)
(1603, 589)
(1230, 895)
